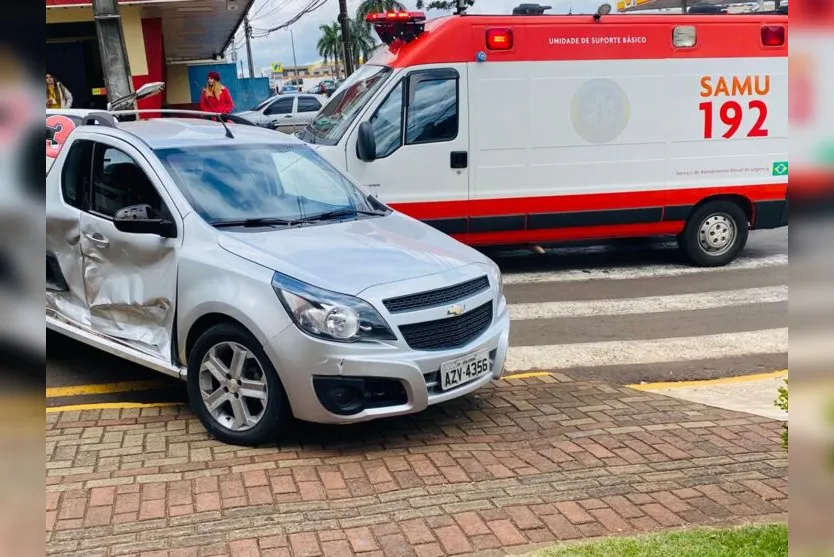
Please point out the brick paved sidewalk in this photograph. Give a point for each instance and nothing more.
(518, 463)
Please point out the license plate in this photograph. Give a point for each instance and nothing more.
(463, 370)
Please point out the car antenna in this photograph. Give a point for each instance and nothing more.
(228, 131)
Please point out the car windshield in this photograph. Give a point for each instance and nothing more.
(333, 120)
(226, 184)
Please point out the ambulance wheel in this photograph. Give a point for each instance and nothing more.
(714, 234)
(234, 388)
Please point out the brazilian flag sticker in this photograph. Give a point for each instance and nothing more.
(780, 168)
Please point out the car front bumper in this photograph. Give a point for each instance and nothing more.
(300, 358)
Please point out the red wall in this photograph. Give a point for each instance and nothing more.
(155, 54)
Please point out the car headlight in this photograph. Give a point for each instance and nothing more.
(498, 277)
(330, 315)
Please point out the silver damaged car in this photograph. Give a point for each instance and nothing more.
(241, 261)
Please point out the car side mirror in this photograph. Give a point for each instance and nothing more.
(140, 219)
(366, 143)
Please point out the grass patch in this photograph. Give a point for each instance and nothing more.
(769, 540)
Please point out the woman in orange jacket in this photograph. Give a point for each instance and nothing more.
(215, 97)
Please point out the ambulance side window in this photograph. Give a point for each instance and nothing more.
(387, 123)
(432, 113)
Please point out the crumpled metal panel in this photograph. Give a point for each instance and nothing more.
(130, 287)
(63, 242)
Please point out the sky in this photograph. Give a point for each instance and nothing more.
(277, 46)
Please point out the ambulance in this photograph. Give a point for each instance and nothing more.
(527, 130)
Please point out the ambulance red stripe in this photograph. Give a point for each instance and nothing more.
(588, 216)
(585, 202)
(561, 38)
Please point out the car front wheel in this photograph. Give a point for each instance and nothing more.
(234, 388)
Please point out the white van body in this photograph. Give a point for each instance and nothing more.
(579, 131)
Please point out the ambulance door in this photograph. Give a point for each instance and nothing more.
(420, 130)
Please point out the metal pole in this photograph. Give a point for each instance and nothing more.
(294, 61)
(343, 20)
(111, 45)
(683, 6)
(248, 30)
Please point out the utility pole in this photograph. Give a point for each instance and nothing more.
(111, 45)
(294, 61)
(343, 20)
(248, 29)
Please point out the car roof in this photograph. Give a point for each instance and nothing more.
(165, 133)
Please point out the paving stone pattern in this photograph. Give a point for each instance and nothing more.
(520, 462)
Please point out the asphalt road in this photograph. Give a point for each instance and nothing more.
(625, 313)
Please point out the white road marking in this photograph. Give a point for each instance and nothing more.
(649, 304)
(593, 354)
(638, 272)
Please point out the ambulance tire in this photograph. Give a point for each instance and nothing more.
(715, 233)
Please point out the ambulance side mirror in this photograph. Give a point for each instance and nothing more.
(366, 143)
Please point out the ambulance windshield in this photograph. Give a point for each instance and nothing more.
(333, 120)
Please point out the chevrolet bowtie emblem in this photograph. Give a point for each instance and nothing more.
(456, 309)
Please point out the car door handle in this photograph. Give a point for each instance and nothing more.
(288, 116)
(459, 159)
(98, 240)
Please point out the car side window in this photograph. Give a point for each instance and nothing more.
(308, 104)
(75, 175)
(119, 182)
(281, 106)
(387, 123)
(432, 114)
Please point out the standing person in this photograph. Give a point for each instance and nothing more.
(57, 95)
(215, 97)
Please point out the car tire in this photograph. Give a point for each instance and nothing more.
(714, 234)
(234, 388)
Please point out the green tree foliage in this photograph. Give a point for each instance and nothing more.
(376, 6)
(362, 42)
(330, 44)
(443, 5)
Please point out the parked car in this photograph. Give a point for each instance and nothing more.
(242, 262)
(327, 87)
(286, 113)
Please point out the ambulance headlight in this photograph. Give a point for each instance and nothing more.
(330, 315)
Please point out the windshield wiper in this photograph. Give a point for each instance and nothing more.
(345, 212)
(252, 223)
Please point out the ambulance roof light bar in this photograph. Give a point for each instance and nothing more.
(403, 27)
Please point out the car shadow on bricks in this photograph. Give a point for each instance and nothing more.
(532, 413)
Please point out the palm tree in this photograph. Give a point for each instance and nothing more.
(361, 41)
(373, 6)
(330, 44)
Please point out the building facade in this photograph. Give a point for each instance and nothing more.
(162, 38)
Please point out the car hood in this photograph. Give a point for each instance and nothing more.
(352, 256)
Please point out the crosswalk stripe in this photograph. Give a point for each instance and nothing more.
(644, 271)
(648, 304)
(667, 350)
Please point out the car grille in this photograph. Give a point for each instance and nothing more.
(450, 332)
(437, 297)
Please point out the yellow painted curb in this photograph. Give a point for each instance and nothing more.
(110, 406)
(527, 375)
(104, 388)
(705, 382)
